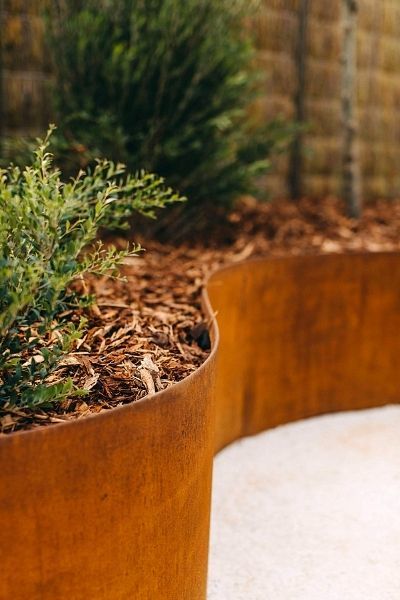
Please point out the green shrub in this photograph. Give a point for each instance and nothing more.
(45, 228)
(164, 85)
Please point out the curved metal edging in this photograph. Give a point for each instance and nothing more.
(304, 335)
(116, 506)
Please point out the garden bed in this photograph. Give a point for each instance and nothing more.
(126, 494)
(148, 332)
(143, 335)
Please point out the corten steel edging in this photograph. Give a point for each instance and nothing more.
(302, 336)
(116, 506)
(112, 507)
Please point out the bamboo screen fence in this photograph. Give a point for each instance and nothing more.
(25, 69)
(26, 76)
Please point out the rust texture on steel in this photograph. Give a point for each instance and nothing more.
(117, 506)
(302, 336)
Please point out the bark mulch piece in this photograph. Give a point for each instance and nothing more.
(148, 332)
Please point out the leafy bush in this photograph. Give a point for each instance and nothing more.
(164, 85)
(45, 227)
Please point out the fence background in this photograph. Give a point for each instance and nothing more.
(26, 75)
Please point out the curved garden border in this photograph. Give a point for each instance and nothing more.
(116, 506)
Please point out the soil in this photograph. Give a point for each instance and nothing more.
(148, 332)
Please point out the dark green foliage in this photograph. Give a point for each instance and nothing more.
(45, 228)
(164, 85)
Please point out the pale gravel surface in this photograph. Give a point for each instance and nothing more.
(310, 511)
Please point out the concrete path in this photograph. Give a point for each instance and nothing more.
(310, 511)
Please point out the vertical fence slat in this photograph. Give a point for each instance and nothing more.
(296, 159)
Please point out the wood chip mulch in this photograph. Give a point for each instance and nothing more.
(148, 332)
